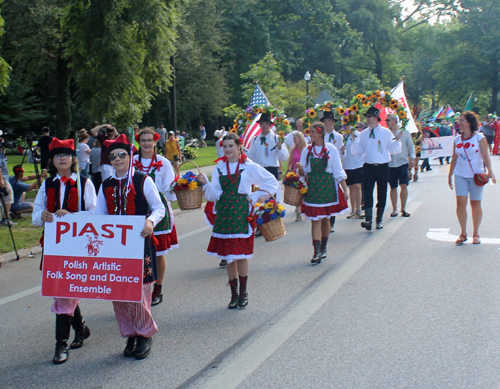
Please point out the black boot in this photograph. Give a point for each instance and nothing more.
(129, 350)
(82, 331)
(157, 296)
(223, 263)
(243, 298)
(143, 347)
(234, 294)
(322, 251)
(316, 257)
(368, 219)
(63, 329)
(332, 224)
(380, 216)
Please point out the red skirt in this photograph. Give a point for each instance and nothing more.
(231, 249)
(166, 242)
(317, 213)
(210, 213)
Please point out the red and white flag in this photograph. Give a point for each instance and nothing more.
(398, 93)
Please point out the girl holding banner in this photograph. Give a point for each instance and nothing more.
(129, 192)
(160, 170)
(59, 195)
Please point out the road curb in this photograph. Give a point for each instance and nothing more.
(23, 253)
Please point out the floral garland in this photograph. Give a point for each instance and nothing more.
(53, 202)
(312, 114)
(246, 117)
(385, 100)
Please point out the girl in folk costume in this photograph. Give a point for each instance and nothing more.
(58, 196)
(321, 162)
(233, 235)
(160, 170)
(129, 192)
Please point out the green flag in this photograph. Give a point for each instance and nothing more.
(468, 106)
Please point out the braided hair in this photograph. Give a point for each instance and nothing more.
(320, 128)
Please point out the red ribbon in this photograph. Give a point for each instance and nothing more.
(65, 179)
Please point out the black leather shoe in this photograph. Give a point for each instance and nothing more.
(143, 347)
(367, 225)
(80, 337)
(322, 253)
(380, 225)
(316, 259)
(233, 304)
(223, 263)
(243, 300)
(129, 350)
(157, 296)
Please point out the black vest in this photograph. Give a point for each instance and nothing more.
(53, 183)
(141, 205)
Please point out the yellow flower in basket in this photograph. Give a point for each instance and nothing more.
(303, 190)
(268, 206)
(193, 185)
(182, 181)
(281, 208)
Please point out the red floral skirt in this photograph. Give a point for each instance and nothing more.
(231, 249)
(316, 213)
(166, 242)
(209, 213)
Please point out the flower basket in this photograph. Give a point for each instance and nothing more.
(295, 187)
(189, 195)
(274, 228)
(292, 196)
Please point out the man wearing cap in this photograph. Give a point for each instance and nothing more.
(333, 137)
(266, 149)
(58, 196)
(118, 196)
(375, 145)
(106, 168)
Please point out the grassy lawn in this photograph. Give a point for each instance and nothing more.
(25, 235)
(206, 157)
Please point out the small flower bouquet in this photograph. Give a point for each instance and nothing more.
(187, 181)
(268, 216)
(267, 211)
(295, 188)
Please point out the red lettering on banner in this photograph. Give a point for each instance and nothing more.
(105, 228)
(124, 232)
(88, 228)
(60, 231)
(74, 229)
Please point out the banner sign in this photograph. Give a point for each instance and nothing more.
(440, 146)
(94, 257)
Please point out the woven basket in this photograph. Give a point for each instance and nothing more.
(190, 199)
(292, 196)
(274, 229)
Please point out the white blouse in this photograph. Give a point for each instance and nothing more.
(163, 176)
(252, 174)
(334, 165)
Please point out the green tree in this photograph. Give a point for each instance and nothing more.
(4, 66)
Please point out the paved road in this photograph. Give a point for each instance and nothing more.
(390, 308)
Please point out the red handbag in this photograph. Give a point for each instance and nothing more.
(480, 179)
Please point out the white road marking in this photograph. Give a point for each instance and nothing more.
(273, 336)
(443, 235)
(20, 295)
(37, 289)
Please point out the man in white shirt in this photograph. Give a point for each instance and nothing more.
(333, 137)
(266, 149)
(375, 145)
(399, 167)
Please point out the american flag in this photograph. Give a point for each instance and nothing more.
(258, 98)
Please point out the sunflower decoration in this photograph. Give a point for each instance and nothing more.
(311, 113)
(383, 98)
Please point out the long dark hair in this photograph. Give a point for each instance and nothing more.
(472, 119)
(53, 171)
(320, 127)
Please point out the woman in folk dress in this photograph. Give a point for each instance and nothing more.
(233, 235)
(160, 170)
(321, 162)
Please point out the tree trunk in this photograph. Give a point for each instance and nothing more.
(63, 111)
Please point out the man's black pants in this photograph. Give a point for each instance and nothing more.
(375, 173)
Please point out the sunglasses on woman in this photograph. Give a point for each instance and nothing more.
(121, 154)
